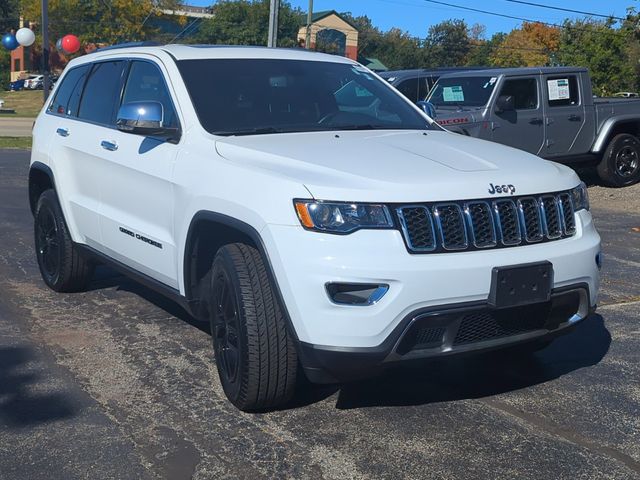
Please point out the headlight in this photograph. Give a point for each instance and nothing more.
(338, 217)
(580, 197)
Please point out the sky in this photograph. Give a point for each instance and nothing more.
(415, 16)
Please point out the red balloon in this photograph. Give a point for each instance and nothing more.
(70, 43)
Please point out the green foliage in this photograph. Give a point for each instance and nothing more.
(246, 22)
(604, 49)
(448, 44)
(99, 21)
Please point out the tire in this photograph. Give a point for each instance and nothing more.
(62, 267)
(255, 353)
(620, 164)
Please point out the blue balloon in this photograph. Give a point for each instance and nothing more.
(10, 42)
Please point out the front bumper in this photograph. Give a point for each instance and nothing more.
(450, 329)
(304, 262)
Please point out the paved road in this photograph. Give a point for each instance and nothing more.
(15, 126)
(119, 383)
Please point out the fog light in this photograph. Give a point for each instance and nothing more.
(360, 294)
(599, 260)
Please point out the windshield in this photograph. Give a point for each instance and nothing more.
(462, 91)
(254, 96)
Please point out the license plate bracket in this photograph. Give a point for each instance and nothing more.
(517, 285)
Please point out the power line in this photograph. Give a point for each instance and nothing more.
(523, 19)
(581, 12)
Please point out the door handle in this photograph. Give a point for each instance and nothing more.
(574, 118)
(63, 132)
(111, 146)
(535, 121)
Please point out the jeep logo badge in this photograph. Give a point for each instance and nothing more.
(493, 189)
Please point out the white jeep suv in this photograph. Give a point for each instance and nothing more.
(305, 208)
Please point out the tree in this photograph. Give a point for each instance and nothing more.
(8, 21)
(533, 44)
(246, 22)
(602, 48)
(99, 21)
(481, 53)
(447, 44)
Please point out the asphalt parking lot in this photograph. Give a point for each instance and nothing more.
(119, 383)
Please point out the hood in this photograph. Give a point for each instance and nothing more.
(396, 166)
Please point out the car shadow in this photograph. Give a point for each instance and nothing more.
(452, 378)
(481, 375)
(24, 400)
(105, 277)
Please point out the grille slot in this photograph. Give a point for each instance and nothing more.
(451, 227)
(483, 228)
(429, 337)
(481, 224)
(417, 225)
(483, 326)
(530, 219)
(551, 217)
(508, 222)
(568, 216)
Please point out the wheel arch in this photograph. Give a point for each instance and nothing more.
(615, 126)
(208, 231)
(40, 179)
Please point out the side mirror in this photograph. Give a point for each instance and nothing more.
(144, 118)
(505, 103)
(428, 107)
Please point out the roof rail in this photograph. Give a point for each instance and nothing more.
(127, 45)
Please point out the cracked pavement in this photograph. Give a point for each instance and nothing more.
(118, 382)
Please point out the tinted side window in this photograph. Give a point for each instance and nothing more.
(102, 92)
(524, 92)
(563, 91)
(409, 88)
(68, 94)
(146, 84)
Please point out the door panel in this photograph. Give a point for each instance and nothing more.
(565, 115)
(523, 127)
(136, 214)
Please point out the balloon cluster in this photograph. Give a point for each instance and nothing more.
(24, 37)
(68, 44)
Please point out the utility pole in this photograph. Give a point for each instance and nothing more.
(46, 82)
(273, 24)
(307, 40)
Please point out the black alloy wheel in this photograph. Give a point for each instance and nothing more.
(48, 244)
(62, 266)
(226, 327)
(627, 162)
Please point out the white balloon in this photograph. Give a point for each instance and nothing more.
(25, 37)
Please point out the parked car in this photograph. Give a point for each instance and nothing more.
(1, 103)
(547, 111)
(415, 84)
(318, 219)
(31, 81)
(17, 85)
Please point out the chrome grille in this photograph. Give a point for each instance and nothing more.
(480, 219)
(508, 222)
(482, 224)
(551, 216)
(417, 226)
(568, 218)
(530, 219)
(450, 223)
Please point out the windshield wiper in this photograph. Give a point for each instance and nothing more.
(250, 131)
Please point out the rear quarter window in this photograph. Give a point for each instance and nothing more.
(67, 98)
